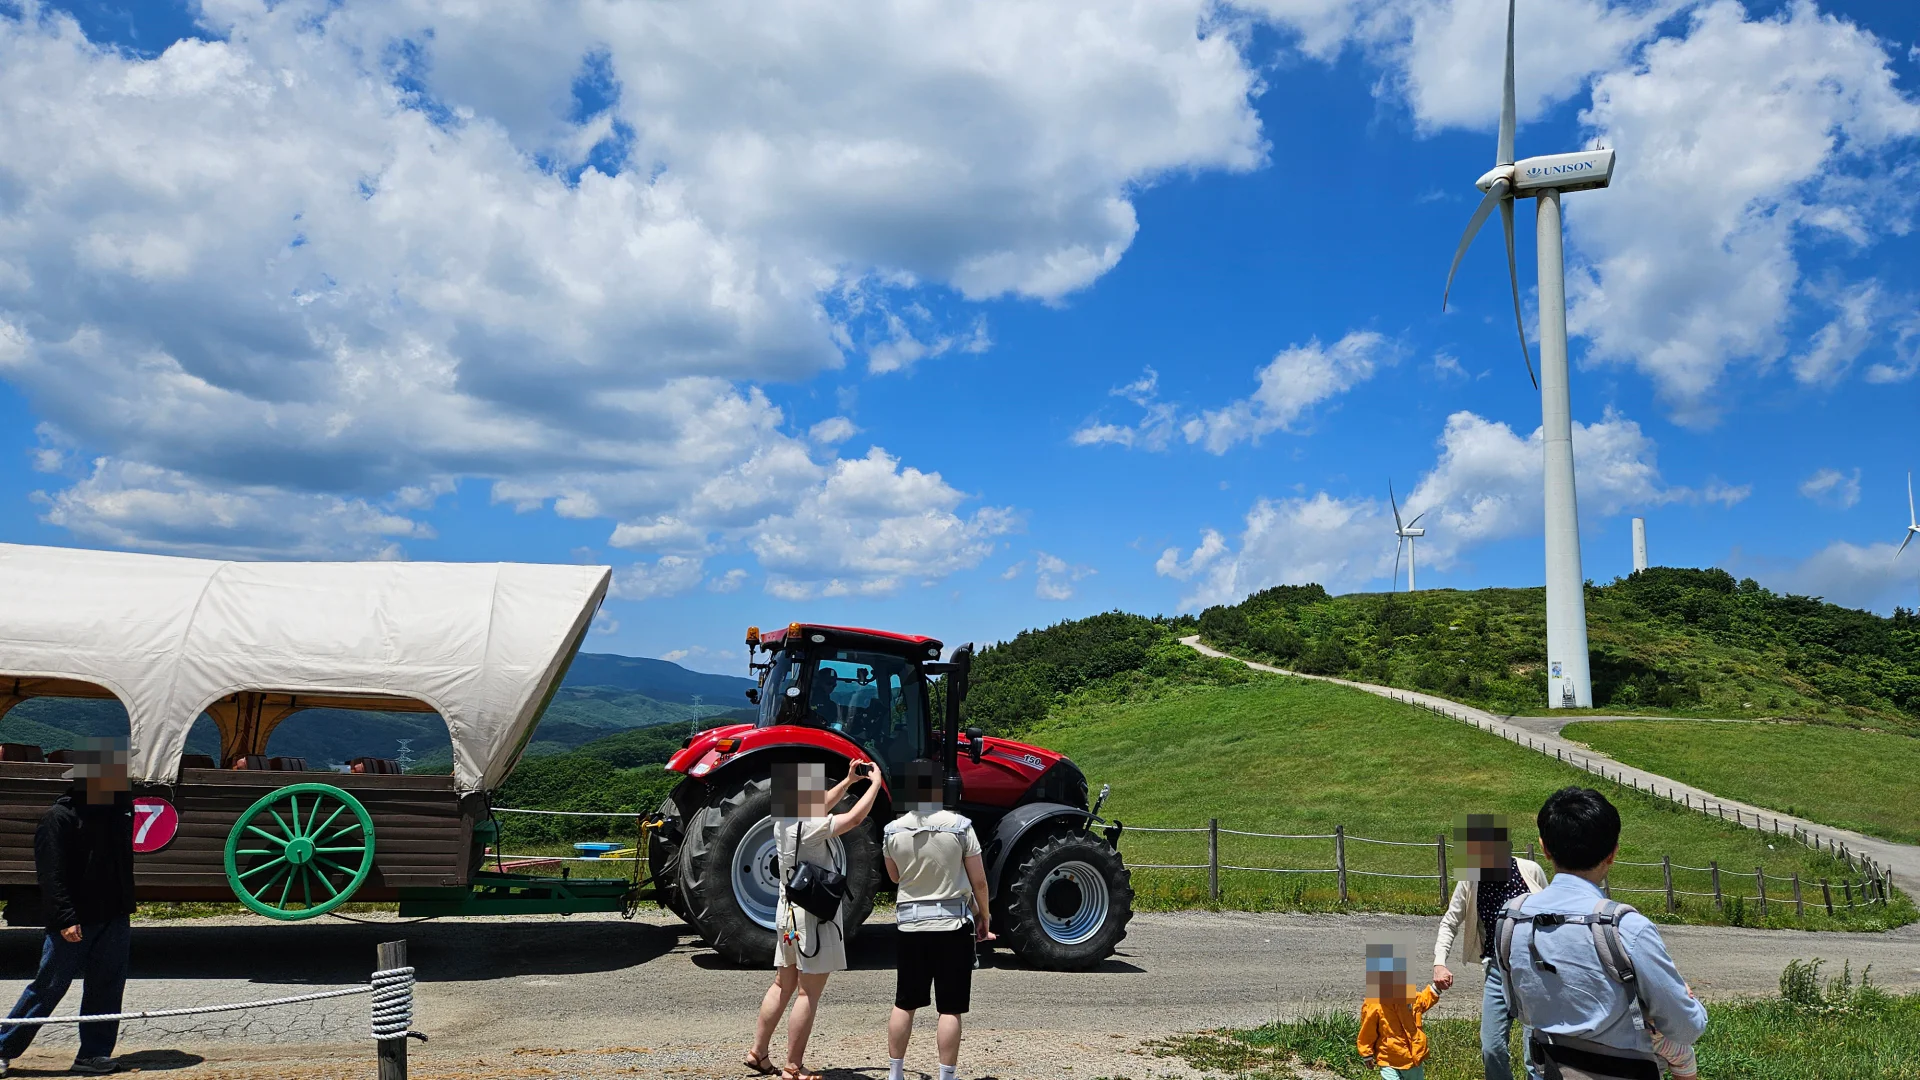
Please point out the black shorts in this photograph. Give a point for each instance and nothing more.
(940, 958)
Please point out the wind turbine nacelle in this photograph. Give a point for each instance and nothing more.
(1411, 533)
(1563, 172)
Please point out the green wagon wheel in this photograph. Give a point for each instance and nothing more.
(300, 851)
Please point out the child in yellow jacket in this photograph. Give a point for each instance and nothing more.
(1390, 1035)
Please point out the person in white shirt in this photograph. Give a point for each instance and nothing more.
(942, 909)
(1490, 877)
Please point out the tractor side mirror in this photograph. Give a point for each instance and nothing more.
(753, 695)
(976, 743)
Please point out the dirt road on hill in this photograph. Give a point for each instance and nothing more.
(597, 997)
(1543, 735)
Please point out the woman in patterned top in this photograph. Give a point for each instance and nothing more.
(1490, 877)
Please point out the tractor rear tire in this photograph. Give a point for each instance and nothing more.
(1067, 903)
(718, 881)
(663, 848)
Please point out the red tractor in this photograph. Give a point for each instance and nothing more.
(832, 694)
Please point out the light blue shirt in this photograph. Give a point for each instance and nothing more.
(1578, 998)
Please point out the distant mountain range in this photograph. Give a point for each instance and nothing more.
(602, 693)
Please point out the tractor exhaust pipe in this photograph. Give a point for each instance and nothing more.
(956, 669)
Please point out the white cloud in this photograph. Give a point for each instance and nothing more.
(1485, 486)
(1727, 495)
(1906, 352)
(1835, 345)
(1013, 571)
(729, 581)
(832, 431)
(1831, 487)
(669, 575)
(127, 504)
(1296, 379)
(368, 250)
(1849, 574)
(1054, 576)
(1736, 142)
(604, 623)
(870, 524)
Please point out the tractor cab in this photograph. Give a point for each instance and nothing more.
(864, 685)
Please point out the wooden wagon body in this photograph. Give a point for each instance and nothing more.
(483, 646)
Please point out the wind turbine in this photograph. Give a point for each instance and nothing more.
(1545, 179)
(1913, 523)
(1406, 534)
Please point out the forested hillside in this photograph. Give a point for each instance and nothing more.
(1681, 641)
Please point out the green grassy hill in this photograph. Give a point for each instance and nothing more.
(1293, 756)
(1672, 641)
(1852, 779)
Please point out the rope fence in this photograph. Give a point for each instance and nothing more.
(1862, 885)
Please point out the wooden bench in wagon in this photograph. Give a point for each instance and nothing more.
(482, 645)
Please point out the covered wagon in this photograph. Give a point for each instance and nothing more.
(483, 646)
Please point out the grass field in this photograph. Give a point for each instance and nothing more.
(1282, 755)
(1844, 777)
(1832, 1029)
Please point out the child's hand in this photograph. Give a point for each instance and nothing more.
(1369, 1060)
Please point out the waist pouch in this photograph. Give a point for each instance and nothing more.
(918, 911)
(817, 890)
(1561, 1062)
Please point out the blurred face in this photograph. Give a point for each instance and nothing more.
(1386, 972)
(102, 767)
(921, 787)
(1482, 841)
(800, 789)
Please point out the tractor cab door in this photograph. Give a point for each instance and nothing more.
(875, 699)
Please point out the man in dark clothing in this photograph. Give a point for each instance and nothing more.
(83, 854)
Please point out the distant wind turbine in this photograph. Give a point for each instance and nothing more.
(1544, 179)
(1913, 523)
(1405, 535)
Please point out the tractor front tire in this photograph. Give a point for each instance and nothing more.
(1067, 903)
(663, 848)
(729, 875)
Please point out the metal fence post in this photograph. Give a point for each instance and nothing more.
(1441, 846)
(1666, 872)
(1760, 883)
(393, 1052)
(1717, 900)
(1340, 858)
(1213, 859)
(1826, 891)
(1799, 907)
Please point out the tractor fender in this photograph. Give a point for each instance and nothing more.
(1020, 821)
(762, 758)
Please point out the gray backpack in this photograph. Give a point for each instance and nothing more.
(1563, 1057)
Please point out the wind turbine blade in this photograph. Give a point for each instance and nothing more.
(1505, 150)
(1513, 278)
(1396, 562)
(1397, 527)
(1896, 554)
(1495, 195)
(1912, 523)
(1416, 519)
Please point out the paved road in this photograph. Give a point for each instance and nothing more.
(1540, 735)
(595, 996)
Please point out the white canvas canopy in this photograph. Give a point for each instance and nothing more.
(482, 644)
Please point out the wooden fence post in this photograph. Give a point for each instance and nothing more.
(1529, 851)
(1340, 858)
(1440, 845)
(1799, 908)
(1847, 884)
(1666, 872)
(1826, 890)
(393, 1052)
(1760, 885)
(1886, 887)
(1213, 859)
(1715, 867)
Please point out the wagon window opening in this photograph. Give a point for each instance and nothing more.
(292, 732)
(40, 719)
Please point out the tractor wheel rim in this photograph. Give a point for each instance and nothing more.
(1073, 902)
(756, 872)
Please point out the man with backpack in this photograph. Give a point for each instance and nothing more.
(1589, 977)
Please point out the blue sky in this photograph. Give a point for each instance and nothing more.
(955, 323)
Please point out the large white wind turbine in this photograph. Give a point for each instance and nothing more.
(1405, 534)
(1545, 179)
(1913, 523)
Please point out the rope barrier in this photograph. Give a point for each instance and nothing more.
(575, 858)
(392, 992)
(392, 1003)
(1281, 836)
(1392, 843)
(1143, 828)
(1276, 870)
(573, 813)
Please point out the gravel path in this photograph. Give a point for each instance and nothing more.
(1542, 735)
(596, 996)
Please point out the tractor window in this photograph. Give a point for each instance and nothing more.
(874, 698)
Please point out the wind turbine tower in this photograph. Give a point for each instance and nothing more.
(1545, 179)
(1639, 544)
(1405, 535)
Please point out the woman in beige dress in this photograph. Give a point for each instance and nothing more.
(806, 949)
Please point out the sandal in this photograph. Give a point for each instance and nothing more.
(760, 1063)
(799, 1072)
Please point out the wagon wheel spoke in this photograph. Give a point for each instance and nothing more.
(284, 887)
(262, 832)
(253, 851)
(341, 809)
(338, 850)
(263, 866)
(293, 807)
(328, 885)
(306, 887)
(285, 830)
(344, 830)
(335, 865)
